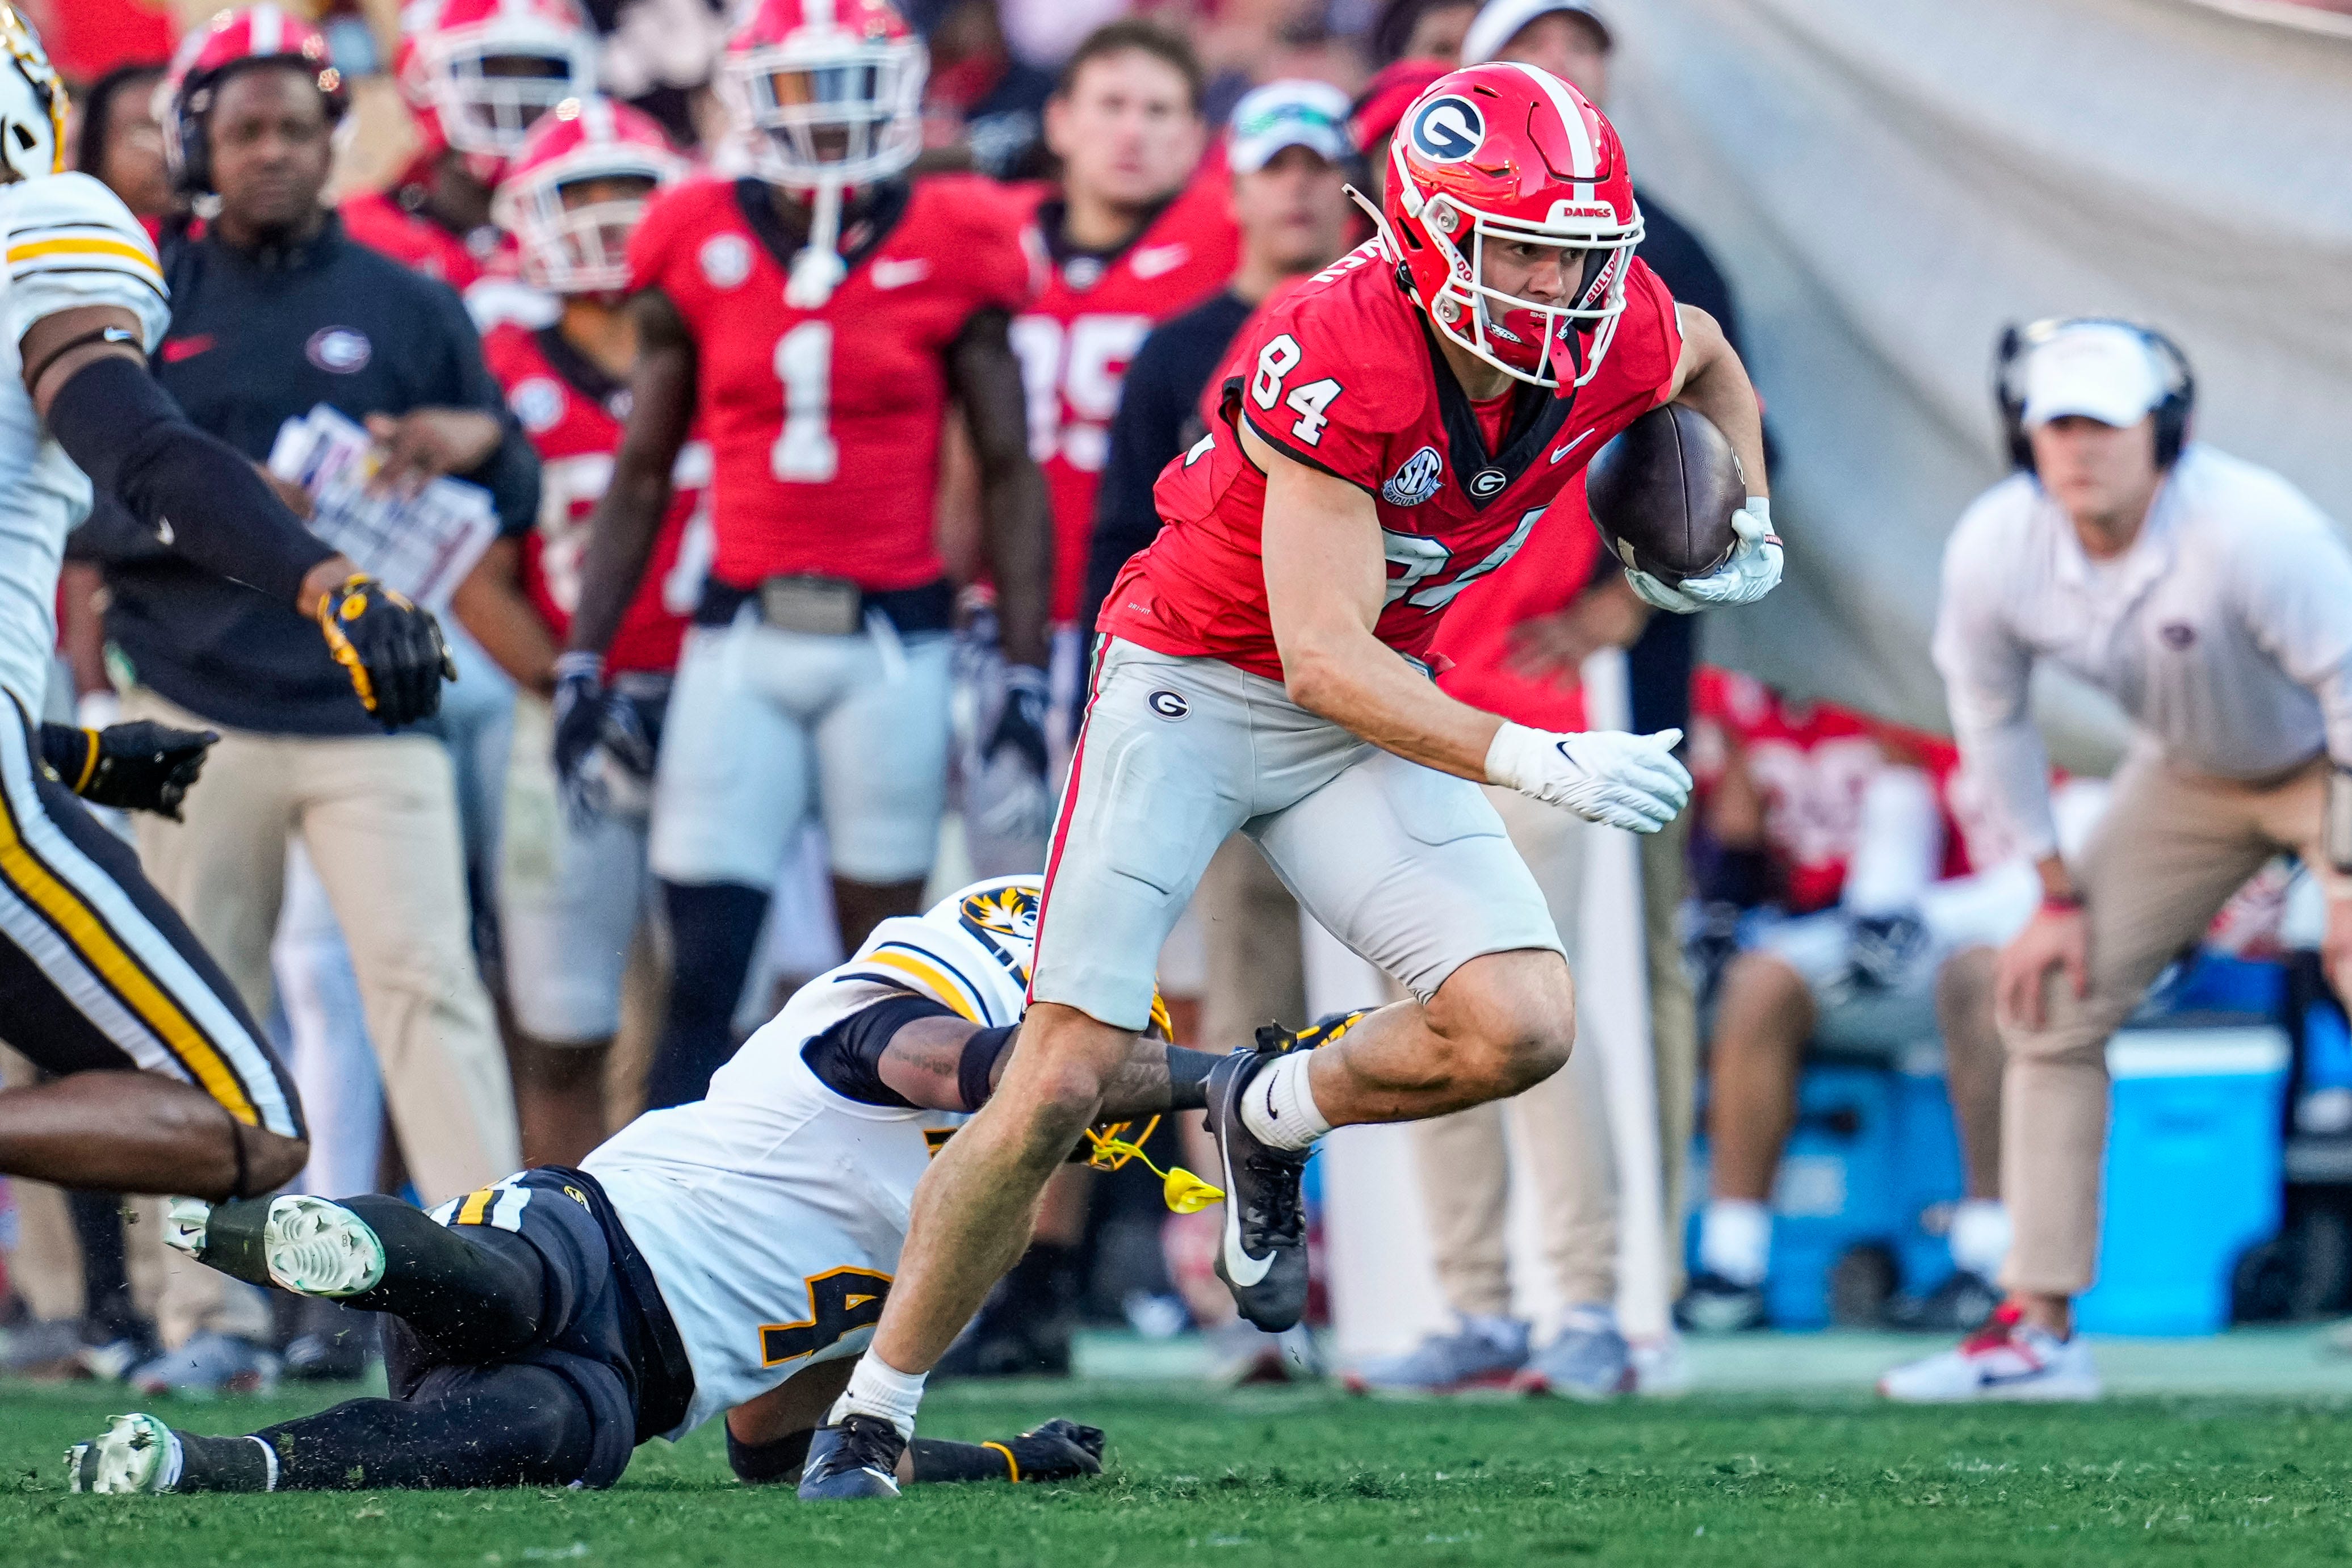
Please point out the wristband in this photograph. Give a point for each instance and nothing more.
(2062, 903)
(1511, 756)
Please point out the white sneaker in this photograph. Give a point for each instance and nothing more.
(134, 1454)
(2008, 1359)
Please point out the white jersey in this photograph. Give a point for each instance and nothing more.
(66, 241)
(772, 1211)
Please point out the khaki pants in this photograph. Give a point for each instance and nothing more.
(1249, 932)
(2172, 849)
(379, 815)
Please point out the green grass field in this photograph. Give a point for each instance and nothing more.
(1308, 1478)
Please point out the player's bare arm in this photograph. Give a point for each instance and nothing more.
(621, 535)
(1016, 523)
(1710, 378)
(1326, 579)
(489, 605)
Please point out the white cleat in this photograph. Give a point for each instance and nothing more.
(2008, 1360)
(184, 1220)
(134, 1454)
(317, 1248)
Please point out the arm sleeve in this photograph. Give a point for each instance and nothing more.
(1144, 434)
(1987, 676)
(2296, 596)
(71, 242)
(848, 1056)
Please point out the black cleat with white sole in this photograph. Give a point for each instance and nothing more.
(1263, 1256)
(858, 1458)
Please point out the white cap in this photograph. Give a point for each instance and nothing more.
(1312, 114)
(2099, 370)
(1500, 21)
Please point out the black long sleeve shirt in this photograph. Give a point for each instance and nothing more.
(257, 339)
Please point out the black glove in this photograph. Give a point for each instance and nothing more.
(391, 648)
(132, 767)
(588, 716)
(1060, 1450)
(1881, 948)
(1021, 723)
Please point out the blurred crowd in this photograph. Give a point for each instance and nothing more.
(689, 762)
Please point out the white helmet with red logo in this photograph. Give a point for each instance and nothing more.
(831, 91)
(1510, 153)
(478, 73)
(574, 242)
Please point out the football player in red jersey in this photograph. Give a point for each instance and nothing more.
(1406, 417)
(819, 317)
(475, 74)
(572, 877)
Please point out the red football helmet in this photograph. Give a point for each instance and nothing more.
(575, 242)
(477, 73)
(831, 91)
(209, 55)
(1511, 153)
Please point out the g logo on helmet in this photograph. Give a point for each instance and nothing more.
(1448, 130)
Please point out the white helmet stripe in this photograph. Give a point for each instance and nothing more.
(268, 30)
(599, 118)
(819, 15)
(1579, 142)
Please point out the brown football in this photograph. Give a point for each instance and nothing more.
(1663, 494)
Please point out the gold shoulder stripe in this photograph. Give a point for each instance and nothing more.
(936, 984)
(120, 250)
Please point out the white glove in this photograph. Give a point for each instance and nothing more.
(1617, 780)
(1751, 572)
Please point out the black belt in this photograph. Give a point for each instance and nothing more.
(666, 1377)
(929, 608)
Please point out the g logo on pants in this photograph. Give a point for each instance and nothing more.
(1169, 704)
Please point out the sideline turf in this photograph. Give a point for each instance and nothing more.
(1318, 1477)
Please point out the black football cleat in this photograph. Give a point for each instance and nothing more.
(857, 1458)
(1263, 1256)
(1059, 1450)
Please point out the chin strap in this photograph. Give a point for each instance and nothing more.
(818, 270)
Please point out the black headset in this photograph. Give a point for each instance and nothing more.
(2171, 414)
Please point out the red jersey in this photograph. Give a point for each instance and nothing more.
(824, 424)
(1343, 375)
(1473, 650)
(1076, 337)
(1810, 761)
(573, 413)
(381, 222)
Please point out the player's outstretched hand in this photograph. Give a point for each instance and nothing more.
(1021, 723)
(1617, 780)
(1752, 571)
(132, 767)
(589, 717)
(391, 649)
(1060, 1450)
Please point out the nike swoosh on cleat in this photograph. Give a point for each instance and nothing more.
(1241, 1268)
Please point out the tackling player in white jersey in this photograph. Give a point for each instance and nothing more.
(98, 975)
(726, 1257)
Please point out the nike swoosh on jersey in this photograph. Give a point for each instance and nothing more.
(898, 274)
(1158, 258)
(1241, 1268)
(1560, 452)
(178, 348)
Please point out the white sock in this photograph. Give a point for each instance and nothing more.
(877, 1388)
(1279, 1108)
(1979, 1236)
(1735, 1239)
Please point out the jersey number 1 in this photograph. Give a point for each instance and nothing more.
(804, 450)
(1277, 360)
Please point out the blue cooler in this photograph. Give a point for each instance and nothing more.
(2193, 1174)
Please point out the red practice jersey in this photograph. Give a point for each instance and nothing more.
(824, 424)
(1473, 650)
(1076, 337)
(1343, 375)
(1810, 761)
(573, 413)
(378, 220)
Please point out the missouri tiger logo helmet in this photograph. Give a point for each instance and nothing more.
(1001, 914)
(32, 103)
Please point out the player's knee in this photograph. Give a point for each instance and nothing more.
(1508, 1022)
(1964, 987)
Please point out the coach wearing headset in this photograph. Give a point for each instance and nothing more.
(2213, 601)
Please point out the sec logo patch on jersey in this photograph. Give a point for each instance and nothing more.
(538, 404)
(726, 260)
(1448, 130)
(1417, 480)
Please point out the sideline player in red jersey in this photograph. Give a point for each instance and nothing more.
(476, 74)
(1407, 415)
(819, 317)
(572, 879)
